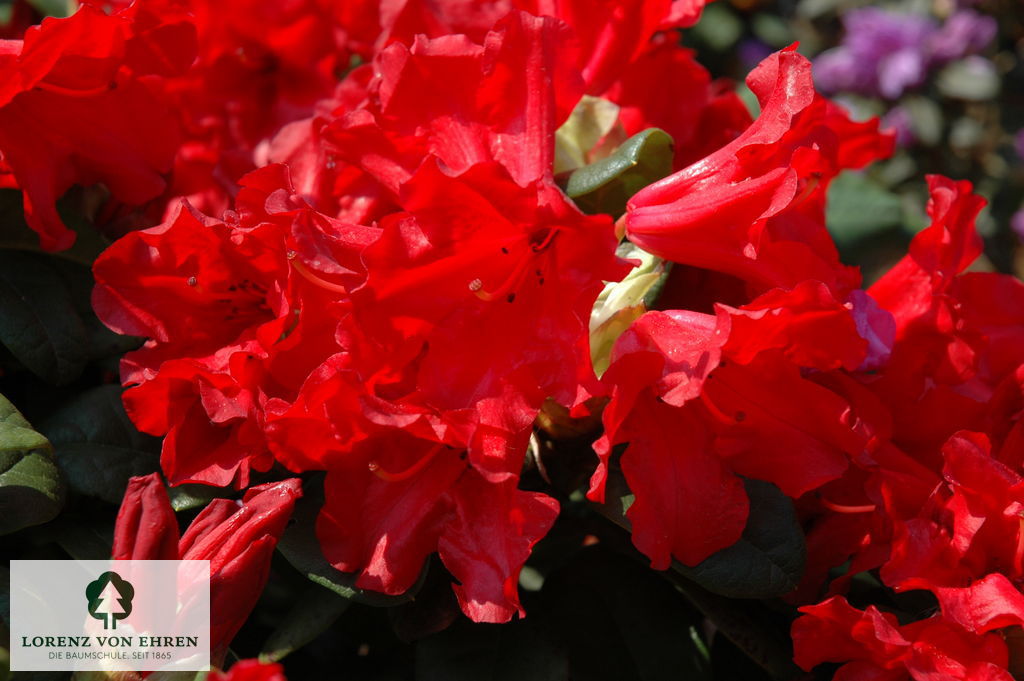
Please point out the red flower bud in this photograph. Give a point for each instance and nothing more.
(239, 546)
(146, 528)
(238, 538)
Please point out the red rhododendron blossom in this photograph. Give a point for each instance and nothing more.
(722, 385)
(221, 302)
(76, 107)
(237, 538)
(416, 497)
(969, 527)
(466, 103)
(958, 335)
(752, 209)
(873, 646)
(497, 279)
(249, 670)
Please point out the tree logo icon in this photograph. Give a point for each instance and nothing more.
(110, 598)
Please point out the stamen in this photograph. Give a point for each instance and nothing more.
(314, 279)
(513, 280)
(718, 413)
(412, 470)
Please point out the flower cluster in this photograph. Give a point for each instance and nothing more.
(376, 258)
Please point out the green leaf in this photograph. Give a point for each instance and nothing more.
(974, 79)
(719, 27)
(769, 558)
(53, 8)
(619, 619)
(489, 652)
(312, 614)
(31, 489)
(38, 320)
(96, 445)
(606, 185)
(189, 496)
(859, 207)
(761, 634)
(301, 548)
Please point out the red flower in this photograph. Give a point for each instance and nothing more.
(874, 647)
(465, 103)
(957, 335)
(969, 527)
(397, 499)
(237, 539)
(701, 116)
(75, 109)
(754, 208)
(496, 279)
(249, 670)
(222, 305)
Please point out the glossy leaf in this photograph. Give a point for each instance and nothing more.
(312, 614)
(31, 488)
(606, 185)
(619, 619)
(38, 320)
(96, 445)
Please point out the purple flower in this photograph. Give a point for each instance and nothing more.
(965, 32)
(900, 121)
(1017, 224)
(885, 53)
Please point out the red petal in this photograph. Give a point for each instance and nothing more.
(488, 539)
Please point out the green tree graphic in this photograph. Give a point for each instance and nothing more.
(110, 598)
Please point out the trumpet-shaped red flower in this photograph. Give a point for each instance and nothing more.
(78, 106)
(237, 539)
(754, 208)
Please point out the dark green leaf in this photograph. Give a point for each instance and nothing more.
(606, 185)
(302, 549)
(769, 558)
(755, 630)
(618, 619)
(31, 489)
(312, 614)
(97, 446)
(38, 320)
(489, 652)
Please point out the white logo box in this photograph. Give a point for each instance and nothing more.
(110, 615)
